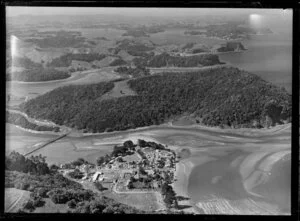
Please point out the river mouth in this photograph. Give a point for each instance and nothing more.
(222, 187)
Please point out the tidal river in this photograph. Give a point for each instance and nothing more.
(240, 174)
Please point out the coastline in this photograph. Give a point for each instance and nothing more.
(233, 131)
(72, 75)
(180, 186)
(38, 132)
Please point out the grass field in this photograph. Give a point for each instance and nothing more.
(121, 89)
(96, 76)
(142, 201)
(51, 207)
(130, 158)
(14, 199)
(32, 90)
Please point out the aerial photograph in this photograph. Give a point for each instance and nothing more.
(148, 110)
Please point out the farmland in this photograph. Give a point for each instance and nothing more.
(31, 90)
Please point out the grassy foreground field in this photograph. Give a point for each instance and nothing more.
(14, 199)
(143, 201)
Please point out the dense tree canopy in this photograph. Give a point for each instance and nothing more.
(34, 164)
(117, 62)
(221, 96)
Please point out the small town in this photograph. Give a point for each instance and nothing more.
(130, 168)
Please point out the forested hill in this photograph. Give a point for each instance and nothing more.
(223, 96)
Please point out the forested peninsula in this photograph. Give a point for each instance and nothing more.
(223, 96)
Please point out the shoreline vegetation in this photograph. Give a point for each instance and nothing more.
(74, 133)
(22, 122)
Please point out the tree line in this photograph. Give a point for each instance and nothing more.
(135, 72)
(34, 164)
(20, 120)
(37, 74)
(118, 62)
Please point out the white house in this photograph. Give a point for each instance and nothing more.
(96, 176)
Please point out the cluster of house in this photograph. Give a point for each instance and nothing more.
(121, 169)
(104, 177)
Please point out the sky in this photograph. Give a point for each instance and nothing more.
(16, 10)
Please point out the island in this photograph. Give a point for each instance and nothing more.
(231, 46)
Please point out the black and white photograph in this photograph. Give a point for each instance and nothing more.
(127, 110)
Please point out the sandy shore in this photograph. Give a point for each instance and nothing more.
(239, 131)
(183, 169)
(38, 132)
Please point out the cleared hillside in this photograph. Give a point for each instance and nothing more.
(224, 96)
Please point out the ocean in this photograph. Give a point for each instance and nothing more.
(269, 56)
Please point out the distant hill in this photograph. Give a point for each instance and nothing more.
(58, 39)
(66, 60)
(26, 70)
(166, 60)
(218, 97)
(133, 47)
(231, 46)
